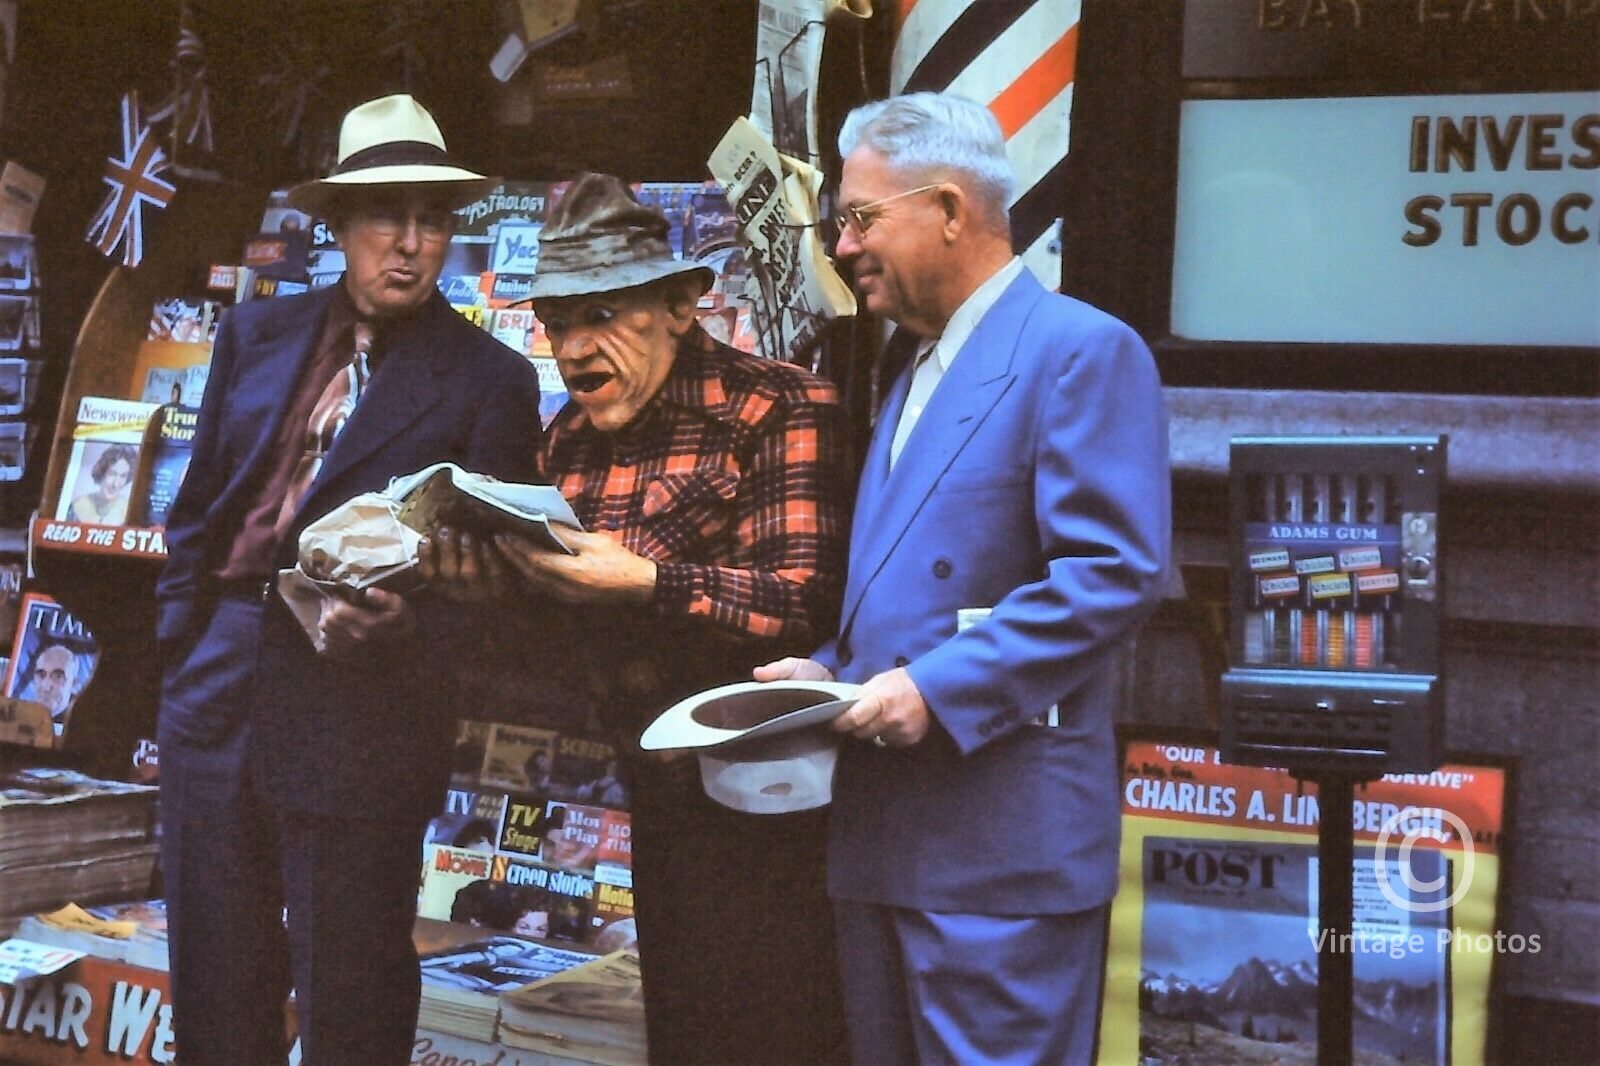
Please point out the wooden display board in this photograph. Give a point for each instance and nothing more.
(206, 223)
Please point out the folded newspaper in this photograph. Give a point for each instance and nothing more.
(775, 198)
(446, 495)
(371, 540)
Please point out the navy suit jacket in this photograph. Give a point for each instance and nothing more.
(329, 737)
(1035, 483)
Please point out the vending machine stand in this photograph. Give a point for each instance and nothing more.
(1334, 636)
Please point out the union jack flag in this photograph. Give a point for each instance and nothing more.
(133, 181)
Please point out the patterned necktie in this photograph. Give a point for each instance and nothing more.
(328, 417)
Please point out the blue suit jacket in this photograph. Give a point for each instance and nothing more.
(1035, 483)
(328, 737)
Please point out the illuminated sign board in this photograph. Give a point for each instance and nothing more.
(1443, 219)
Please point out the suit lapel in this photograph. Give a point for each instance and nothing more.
(890, 500)
(404, 386)
(272, 367)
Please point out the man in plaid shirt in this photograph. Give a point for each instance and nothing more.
(713, 488)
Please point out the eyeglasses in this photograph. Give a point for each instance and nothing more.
(862, 216)
(390, 220)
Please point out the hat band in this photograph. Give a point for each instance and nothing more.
(393, 153)
(600, 250)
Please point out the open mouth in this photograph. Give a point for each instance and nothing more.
(587, 382)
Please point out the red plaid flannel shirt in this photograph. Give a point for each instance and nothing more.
(733, 479)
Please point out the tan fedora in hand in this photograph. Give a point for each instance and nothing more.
(391, 141)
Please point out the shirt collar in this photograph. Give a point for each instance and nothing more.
(972, 310)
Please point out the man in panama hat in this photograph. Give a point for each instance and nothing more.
(713, 486)
(292, 778)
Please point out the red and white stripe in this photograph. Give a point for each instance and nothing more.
(1018, 57)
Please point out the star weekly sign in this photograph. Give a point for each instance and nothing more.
(133, 181)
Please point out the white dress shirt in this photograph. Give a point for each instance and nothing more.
(935, 354)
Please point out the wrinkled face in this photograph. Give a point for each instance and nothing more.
(115, 478)
(533, 923)
(55, 672)
(394, 246)
(614, 349)
(896, 259)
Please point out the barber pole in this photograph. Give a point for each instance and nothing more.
(1017, 57)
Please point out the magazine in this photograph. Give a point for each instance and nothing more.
(53, 657)
(134, 932)
(1208, 846)
(519, 757)
(446, 495)
(497, 964)
(164, 457)
(98, 482)
(1216, 998)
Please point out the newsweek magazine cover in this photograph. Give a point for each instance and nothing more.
(1215, 920)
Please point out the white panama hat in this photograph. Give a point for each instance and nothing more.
(392, 140)
(763, 748)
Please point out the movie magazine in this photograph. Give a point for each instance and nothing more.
(1213, 939)
(585, 770)
(518, 757)
(471, 820)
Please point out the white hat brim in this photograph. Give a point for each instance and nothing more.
(463, 184)
(684, 725)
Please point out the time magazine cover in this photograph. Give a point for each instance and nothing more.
(53, 658)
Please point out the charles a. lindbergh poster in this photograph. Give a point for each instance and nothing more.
(1212, 955)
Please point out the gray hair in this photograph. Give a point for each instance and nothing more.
(936, 131)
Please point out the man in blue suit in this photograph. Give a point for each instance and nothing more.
(1010, 535)
(294, 778)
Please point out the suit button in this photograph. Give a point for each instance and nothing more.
(901, 660)
(942, 568)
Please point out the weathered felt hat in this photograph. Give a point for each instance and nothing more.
(764, 748)
(598, 238)
(391, 141)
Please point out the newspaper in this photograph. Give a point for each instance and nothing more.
(595, 1011)
(789, 35)
(775, 199)
(371, 541)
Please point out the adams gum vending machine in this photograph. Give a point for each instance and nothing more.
(1337, 595)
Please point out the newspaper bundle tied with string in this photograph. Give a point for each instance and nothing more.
(371, 541)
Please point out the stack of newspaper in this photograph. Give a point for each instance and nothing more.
(67, 836)
(593, 1012)
(461, 985)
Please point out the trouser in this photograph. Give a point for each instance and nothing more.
(235, 865)
(924, 988)
(735, 929)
